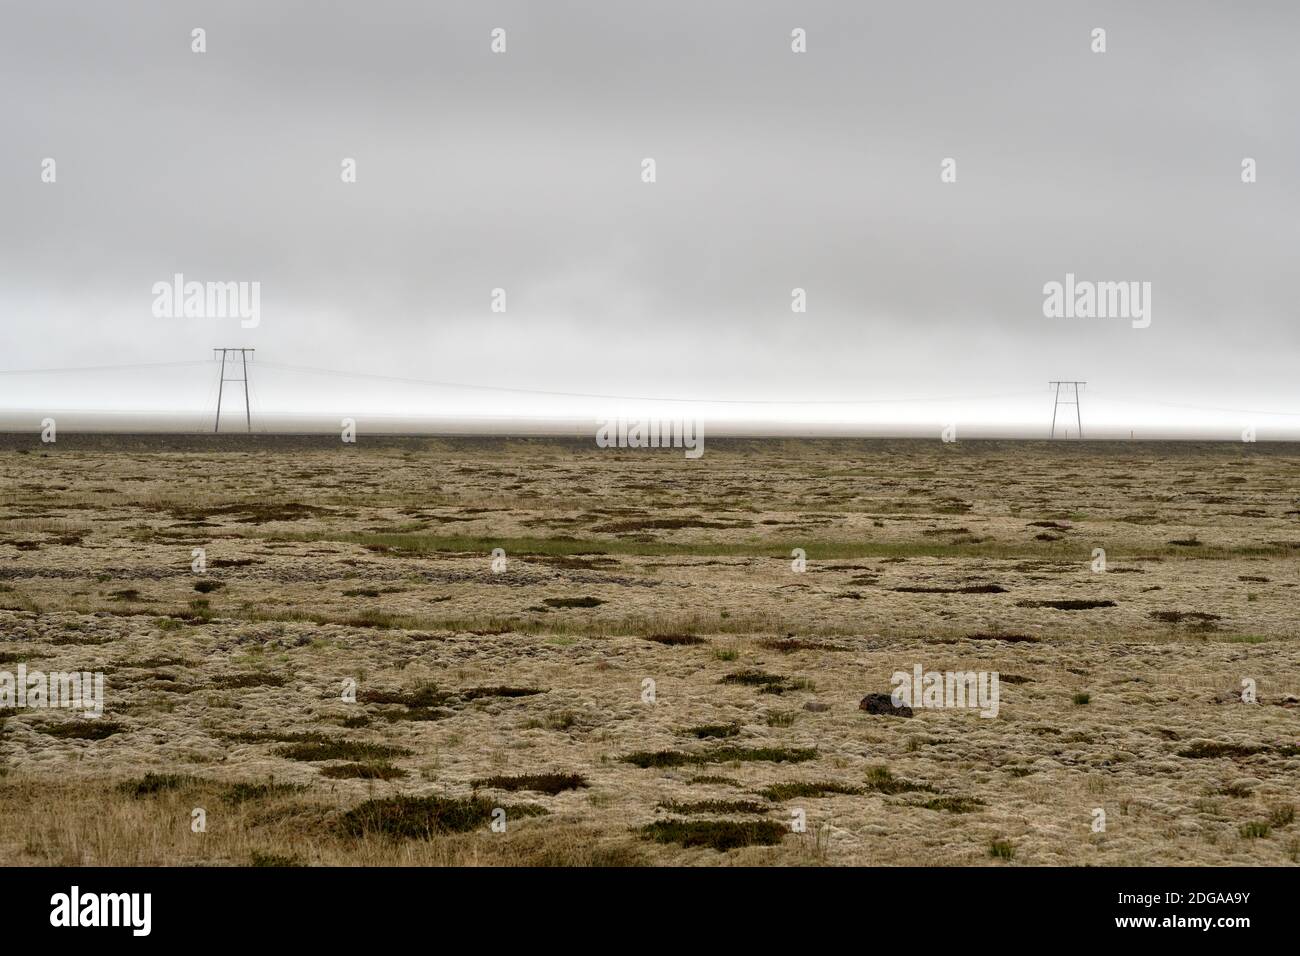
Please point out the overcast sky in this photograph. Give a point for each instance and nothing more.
(775, 170)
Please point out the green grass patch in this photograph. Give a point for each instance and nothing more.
(1002, 850)
(954, 804)
(154, 783)
(1207, 749)
(1069, 604)
(823, 549)
(704, 731)
(548, 783)
(342, 750)
(362, 771)
(424, 695)
(767, 683)
(805, 789)
(677, 758)
(1197, 620)
(418, 818)
(676, 640)
(273, 736)
(251, 679)
(720, 835)
(788, 645)
(245, 792)
(960, 589)
(96, 729)
(1281, 816)
(713, 807)
(416, 713)
(477, 693)
(573, 602)
(881, 780)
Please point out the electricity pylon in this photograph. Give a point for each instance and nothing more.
(1078, 413)
(243, 356)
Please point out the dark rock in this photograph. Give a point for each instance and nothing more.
(883, 704)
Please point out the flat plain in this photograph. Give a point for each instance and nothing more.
(315, 654)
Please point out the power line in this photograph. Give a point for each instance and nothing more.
(473, 386)
(533, 391)
(1199, 408)
(95, 368)
(631, 398)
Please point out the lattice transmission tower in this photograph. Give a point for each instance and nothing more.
(1059, 401)
(243, 363)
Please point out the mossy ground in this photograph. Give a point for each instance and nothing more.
(350, 642)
